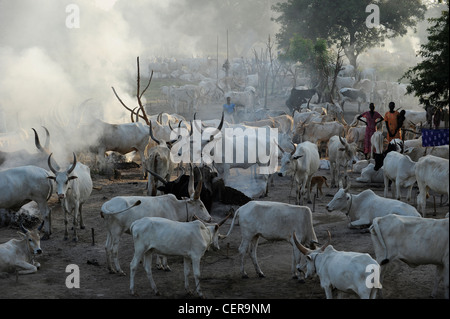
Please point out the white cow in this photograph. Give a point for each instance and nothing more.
(246, 98)
(318, 132)
(172, 238)
(341, 155)
(345, 271)
(20, 185)
(121, 138)
(399, 169)
(302, 163)
(431, 173)
(120, 212)
(414, 241)
(73, 187)
(17, 254)
(272, 221)
(364, 207)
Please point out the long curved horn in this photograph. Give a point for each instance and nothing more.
(328, 242)
(47, 138)
(342, 141)
(37, 142)
(191, 190)
(219, 128)
(41, 226)
(198, 189)
(50, 164)
(281, 149)
(158, 177)
(23, 229)
(159, 118)
(70, 170)
(300, 247)
(231, 212)
(151, 133)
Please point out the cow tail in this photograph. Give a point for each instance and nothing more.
(232, 224)
(375, 229)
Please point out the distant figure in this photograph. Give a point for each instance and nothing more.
(229, 110)
(391, 119)
(371, 116)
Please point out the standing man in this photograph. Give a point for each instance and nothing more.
(393, 130)
(371, 121)
(229, 110)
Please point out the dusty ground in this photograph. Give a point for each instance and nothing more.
(220, 275)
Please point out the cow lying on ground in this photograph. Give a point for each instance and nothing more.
(17, 254)
(364, 207)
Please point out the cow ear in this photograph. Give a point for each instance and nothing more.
(342, 149)
(52, 177)
(309, 257)
(72, 177)
(21, 234)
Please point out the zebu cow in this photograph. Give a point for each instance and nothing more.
(342, 270)
(318, 132)
(173, 238)
(17, 254)
(122, 138)
(364, 207)
(20, 185)
(341, 155)
(298, 97)
(273, 221)
(73, 187)
(246, 98)
(159, 161)
(353, 95)
(399, 169)
(120, 212)
(431, 173)
(414, 241)
(302, 163)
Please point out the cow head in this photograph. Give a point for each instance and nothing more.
(349, 151)
(194, 205)
(213, 229)
(287, 162)
(311, 255)
(32, 238)
(341, 200)
(62, 179)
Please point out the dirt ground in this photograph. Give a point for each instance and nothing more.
(220, 275)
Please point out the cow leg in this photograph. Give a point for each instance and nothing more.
(196, 270)
(82, 226)
(108, 250)
(333, 174)
(437, 279)
(243, 249)
(46, 216)
(253, 248)
(66, 222)
(148, 257)
(386, 186)
(307, 188)
(359, 223)
(133, 266)
(328, 291)
(422, 199)
(398, 190)
(26, 268)
(115, 255)
(187, 271)
(75, 221)
(409, 195)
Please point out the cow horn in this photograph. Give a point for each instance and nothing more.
(300, 247)
(198, 189)
(23, 229)
(191, 182)
(328, 242)
(231, 212)
(40, 226)
(159, 118)
(50, 164)
(281, 149)
(295, 148)
(342, 141)
(158, 177)
(37, 141)
(219, 128)
(151, 133)
(70, 170)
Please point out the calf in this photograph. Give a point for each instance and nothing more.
(364, 207)
(345, 271)
(341, 155)
(414, 241)
(431, 173)
(189, 240)
(272, 221)
(17, 254)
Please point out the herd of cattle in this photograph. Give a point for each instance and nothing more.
(174, 218)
